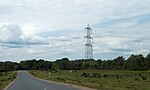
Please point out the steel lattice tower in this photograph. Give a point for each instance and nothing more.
(88, 43)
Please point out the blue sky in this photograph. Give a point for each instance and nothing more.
(52, 29)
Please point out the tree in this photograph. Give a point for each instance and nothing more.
(135, 62)
(117, 63)
(147, 61)
(64, 63)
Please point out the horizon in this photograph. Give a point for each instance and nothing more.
(73, 59)
(51, 30)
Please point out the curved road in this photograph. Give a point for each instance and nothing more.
(24, 81)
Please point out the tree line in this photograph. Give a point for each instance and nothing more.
(134, 62)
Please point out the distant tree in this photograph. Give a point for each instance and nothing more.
(86, 64)
(147, 61)
(64, 63)
(117, 63)
(99, 61)
(106, 65)
(135, 62)
(2, 67)
(75, 65)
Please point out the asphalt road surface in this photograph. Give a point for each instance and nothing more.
(24, 81)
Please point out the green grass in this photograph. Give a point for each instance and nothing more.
(100, 79)
(6, 78)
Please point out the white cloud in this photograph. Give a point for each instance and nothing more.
(56, 27)
(13, 36)
(101, 50)
(31, 51)
(9, 33)
(34, 52)
(70, 50)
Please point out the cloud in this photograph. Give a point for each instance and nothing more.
(121, 50)
(70, 50)
(10, 33)
(34, 52)
(57, 28)
(12, 36)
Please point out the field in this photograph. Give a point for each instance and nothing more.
(100, 79)
(6, 78)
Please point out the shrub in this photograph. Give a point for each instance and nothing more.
(105, 75)
(140, 74)
(85, 75)
(117, 77)
(96, 75)
(144, 78)
(136, 79)
(62, 79)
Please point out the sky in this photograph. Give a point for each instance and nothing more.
(53, 29)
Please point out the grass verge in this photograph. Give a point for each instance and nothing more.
(6, 78)
(100, 79)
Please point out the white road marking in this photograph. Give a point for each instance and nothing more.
(45, 89)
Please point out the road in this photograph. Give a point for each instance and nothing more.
(24, 81)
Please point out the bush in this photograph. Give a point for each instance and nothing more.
(136, 79)
(85, 75)
(117, 76)
(144, 78)
(62, 79)
(96, 75)
(140, 74)
(105, 75)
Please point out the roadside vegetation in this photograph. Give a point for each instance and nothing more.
(119, 73)
(99, 79)
(6, 78)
